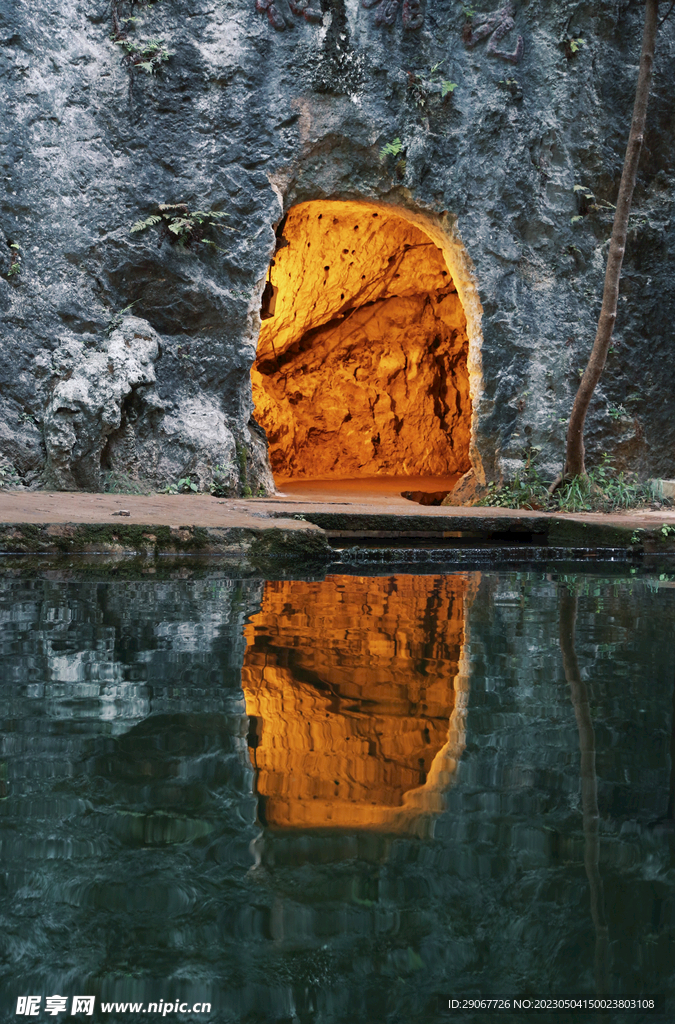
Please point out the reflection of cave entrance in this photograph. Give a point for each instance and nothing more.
(356, 691)
(361, 368)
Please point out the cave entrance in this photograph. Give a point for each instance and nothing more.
(361, 369)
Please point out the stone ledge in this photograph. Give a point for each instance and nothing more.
(667, 488)
(297, 543)
(304, 527)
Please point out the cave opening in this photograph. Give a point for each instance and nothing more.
(361, 372)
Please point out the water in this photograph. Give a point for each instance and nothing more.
(337, 801)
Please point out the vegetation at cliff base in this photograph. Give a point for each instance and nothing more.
(600, 490)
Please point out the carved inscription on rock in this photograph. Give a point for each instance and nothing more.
(494, 27)
(387, 12)
(275, 15)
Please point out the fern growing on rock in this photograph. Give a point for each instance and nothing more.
(181, 225)
(147, 56)
(393, 148)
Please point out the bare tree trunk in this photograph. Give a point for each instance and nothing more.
(589, 785)
(574, 458)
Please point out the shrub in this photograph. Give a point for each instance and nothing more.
(602, 490)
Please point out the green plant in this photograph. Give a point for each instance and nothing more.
(181, 225)
(119, 21)
(512, 86)
(147, 56)
(617, 411)
(420, 86)
(183, 486)
(418, 89)
(15, 260)
(576, 44)
(9, 477)
(468, 11)
(667, 531)
(602, 490)
(221, 484)
(636, 537)
(588, 203)
(117, 319)
(242, 461)
(435, 78)
(393, 148)
(526, 490)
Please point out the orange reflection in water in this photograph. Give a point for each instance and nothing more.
(357, 691)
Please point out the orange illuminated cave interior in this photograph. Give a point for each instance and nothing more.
(361, 368)
(357, 697)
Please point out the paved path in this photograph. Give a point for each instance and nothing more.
(204, 510)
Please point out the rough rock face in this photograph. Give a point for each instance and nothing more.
(84, 414)
(362, 368)
(105, 422)
(255, 111)
(387, 393)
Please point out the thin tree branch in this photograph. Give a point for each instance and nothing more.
(667, 15)
(574, 456)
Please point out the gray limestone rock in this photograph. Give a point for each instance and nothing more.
(87, 404)
(247, 120)
(105, 422)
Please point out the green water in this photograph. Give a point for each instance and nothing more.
(138, 861)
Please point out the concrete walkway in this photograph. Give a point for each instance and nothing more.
(334, 509)
(204, 510)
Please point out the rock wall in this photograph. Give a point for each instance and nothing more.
(248, 112)
(362, 366)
